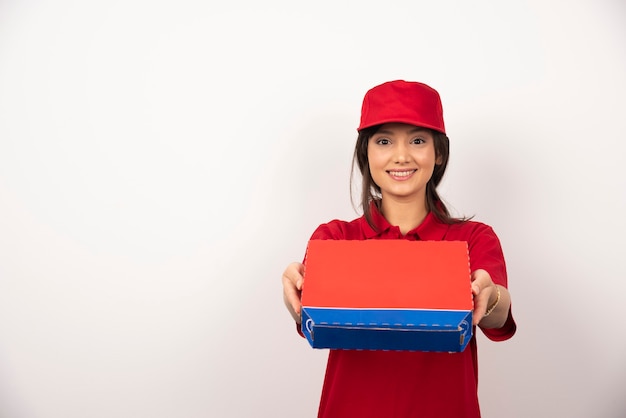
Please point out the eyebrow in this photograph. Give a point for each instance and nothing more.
(412, 131)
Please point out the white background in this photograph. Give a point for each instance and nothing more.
(162, 162)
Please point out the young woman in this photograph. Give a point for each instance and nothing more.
(402, 152)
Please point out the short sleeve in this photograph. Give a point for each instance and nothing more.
(331, 230)
(485, 253)
(503, 333)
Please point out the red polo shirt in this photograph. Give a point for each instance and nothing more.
(402, 384)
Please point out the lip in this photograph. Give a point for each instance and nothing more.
(401, 175)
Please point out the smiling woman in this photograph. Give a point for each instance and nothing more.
(402, 153)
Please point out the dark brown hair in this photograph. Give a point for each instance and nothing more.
(371, 192)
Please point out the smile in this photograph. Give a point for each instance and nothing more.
(401, 174)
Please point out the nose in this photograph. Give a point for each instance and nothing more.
(401, 154)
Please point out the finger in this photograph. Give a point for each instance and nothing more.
(475, 289)
(481, 301)
(292, 300)
(291, 295)
(294, 274)
(479, 311)
(299, 267)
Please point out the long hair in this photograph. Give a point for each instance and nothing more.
(370, 191)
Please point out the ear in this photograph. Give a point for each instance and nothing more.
(438, 160)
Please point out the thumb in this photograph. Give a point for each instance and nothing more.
(475, 289)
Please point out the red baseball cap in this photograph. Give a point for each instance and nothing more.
(402, 101)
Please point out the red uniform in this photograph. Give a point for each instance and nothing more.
(401, 384)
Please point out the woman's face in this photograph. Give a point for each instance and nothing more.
(401, 160)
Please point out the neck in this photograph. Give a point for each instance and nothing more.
(406, 215)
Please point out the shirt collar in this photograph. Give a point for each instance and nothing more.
(431, 228)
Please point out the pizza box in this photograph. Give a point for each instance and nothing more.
(387, 295)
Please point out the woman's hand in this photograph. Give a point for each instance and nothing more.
(292, 288)
(488, 295)
(484, 291)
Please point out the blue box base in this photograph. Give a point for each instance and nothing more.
(387, 329)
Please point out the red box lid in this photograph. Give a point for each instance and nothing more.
(387, 274)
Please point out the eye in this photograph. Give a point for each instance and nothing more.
(418, 141)
(383, 141)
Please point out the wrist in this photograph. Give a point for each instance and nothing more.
(493, 304)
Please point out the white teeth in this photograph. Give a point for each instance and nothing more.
(402, 173)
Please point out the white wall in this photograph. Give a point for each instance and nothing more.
(161, 163)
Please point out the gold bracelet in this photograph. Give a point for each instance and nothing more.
(492, 307)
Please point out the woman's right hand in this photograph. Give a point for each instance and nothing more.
(292, 288)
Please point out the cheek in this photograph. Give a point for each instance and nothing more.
(372, 161)
(375, 168)
(427, 159)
